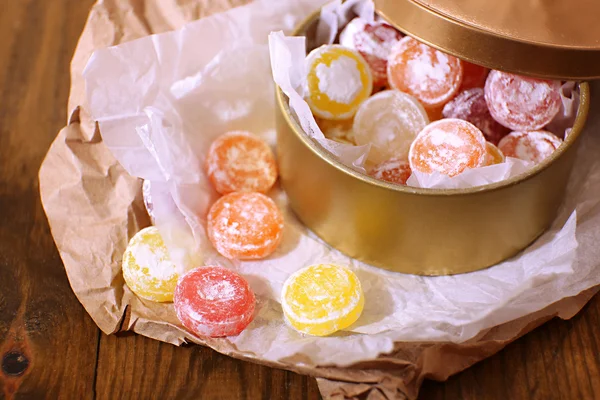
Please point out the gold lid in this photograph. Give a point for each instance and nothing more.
(553, 39)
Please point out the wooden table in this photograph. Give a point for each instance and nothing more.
(50, 347)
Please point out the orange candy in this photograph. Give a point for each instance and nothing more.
(429, 75)
(241, 162)
(473, 76)
(245, 226)
(394, 170)
(494, 155)
(533, 146)
(448, 146)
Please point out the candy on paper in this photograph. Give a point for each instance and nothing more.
(532, 146)
(448, 146)
(374, 41)
(430, 75)
(338, 80)
(322, 299)
(147, 266)
(214, 301)
(239, 161)
(522, 103)
(395, 170)
(389, 121)
(245, 226)
(471, 106)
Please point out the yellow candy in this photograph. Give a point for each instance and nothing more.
(339, 80)
(322, 299)
(147, 267)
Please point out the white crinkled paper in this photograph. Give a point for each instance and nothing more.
(162, 99)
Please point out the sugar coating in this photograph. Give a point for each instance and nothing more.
(214, 301)
(239, 161)
(338, 81)
(395, 170)
(374, 41)
(533, 146)
(521, 103)
(147, 267)
(389, 121)
(470, 105)
(430, 75)
(322, 299)
(448, 146)
(245, 226)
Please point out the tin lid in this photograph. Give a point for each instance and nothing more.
(551, 39)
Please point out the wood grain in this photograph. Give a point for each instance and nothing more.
(50, 348)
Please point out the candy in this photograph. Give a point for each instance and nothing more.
(389, 121)
(245, 226)
(431, 76)
(240, 162)
(374, 42)
(448, 146)
(214, 301)
(339, 80)
(148, 203)
(521, 103)
(493, 155)
(322, 299)
(471, 106)
(473, 76)
(147, 267)
(533, 146)
(394, 170)
(334, 130)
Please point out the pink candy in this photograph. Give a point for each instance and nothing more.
(214, 302)
(373, 41)
(470, 106)
(521, 103)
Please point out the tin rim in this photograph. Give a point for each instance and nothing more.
(323, 154)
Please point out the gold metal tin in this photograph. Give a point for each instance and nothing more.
(553, 39)
(419, 231)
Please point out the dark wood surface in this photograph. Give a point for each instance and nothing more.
(49, 346)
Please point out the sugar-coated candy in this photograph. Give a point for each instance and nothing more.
(374, 42)
(494, 155)
(339, 80)
(245, 226)
(533, 146)
(430, 75)
(322, 299)
(448, 146)
(389, 121)
(214, 301)
(147, 267)
(521, 103)
(336, 129)
(148, 203)
(471, 106)
(473, 76)
(239, 161)
(395, 170)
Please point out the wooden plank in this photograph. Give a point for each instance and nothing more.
(132, 366)
(47, 341)
(559, 360)
(49, 347)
